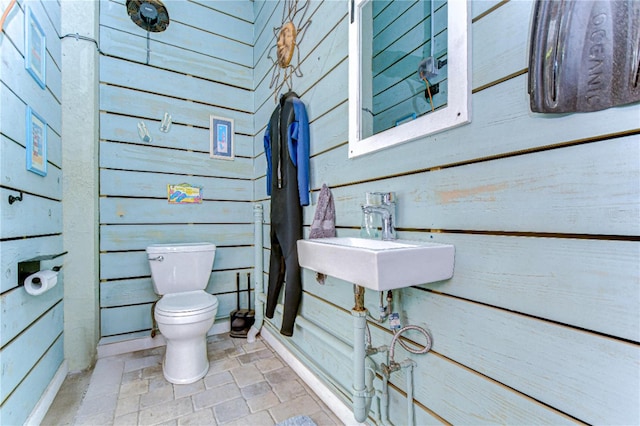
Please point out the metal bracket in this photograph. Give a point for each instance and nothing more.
(13, 199)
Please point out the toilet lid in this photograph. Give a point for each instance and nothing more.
(186, 303)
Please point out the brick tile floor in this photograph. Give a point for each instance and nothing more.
(247, 384)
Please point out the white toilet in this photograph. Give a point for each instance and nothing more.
(185, 313)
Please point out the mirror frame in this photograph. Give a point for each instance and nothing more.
(458, 108)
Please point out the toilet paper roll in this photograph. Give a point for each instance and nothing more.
(40, 282)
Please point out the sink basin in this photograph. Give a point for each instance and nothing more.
(376, 264)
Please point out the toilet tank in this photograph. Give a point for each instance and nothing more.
(180, 267)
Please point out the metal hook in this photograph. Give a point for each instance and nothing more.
(13, 199)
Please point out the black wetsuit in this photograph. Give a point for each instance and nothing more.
(287, 151)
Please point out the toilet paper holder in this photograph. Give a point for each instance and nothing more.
(31, 266)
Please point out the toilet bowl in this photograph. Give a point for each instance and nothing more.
(184, 319)
(185, 312)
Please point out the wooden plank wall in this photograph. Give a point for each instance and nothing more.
(540, 323)
(31, 328)
(201, 65)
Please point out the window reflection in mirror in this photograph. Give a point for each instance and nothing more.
(407, 66)
(408, 71)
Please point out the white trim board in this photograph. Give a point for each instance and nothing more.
(336, 405)
(45, 401)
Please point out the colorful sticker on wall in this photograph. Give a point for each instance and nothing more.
(183, 193)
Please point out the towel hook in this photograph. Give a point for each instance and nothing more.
(13, 199)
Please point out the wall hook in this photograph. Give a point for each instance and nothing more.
(13, 199)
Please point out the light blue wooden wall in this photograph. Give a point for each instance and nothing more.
(540, 323)
(201, 65)
(31, 328)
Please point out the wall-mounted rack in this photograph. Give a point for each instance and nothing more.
(31, 266)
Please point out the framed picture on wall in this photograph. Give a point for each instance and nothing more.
(36, 143)
(221, 138)
(35, 58)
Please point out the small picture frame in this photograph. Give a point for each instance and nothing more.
(35, 58)
(221, 138)
(36, 143)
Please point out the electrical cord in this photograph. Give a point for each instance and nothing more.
(428, 89)
(79, 37)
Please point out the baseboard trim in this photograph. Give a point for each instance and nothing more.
(335, 404)
(45, 401)
(106, 349)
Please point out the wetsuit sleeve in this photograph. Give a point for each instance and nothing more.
(267, 152)
(299, 148)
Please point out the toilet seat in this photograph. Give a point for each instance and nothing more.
(186, 304)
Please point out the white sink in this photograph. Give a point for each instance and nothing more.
(376, 264)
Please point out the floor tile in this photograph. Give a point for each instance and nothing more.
(255, 389)
(304, 404)
(164, 412)
(128, 405)
(224, 364)
(288, 390)
(247, 384)
(218, 379)
(136, 387)
(126, 420)
(66, 403)
(157, 396)
(139, 363)
(269, 364)
(189, 389)
(263, 418)
(280, 375)
(263, 402)
(253, 357)
(216, 395)
(246, 375)
(231, 410)
(202, 417)
(94, 419)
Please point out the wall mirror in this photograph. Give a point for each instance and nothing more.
(409, 70)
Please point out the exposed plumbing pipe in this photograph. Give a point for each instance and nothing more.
(362, 377)
(326, 337)
(396, 338)
(364, 368)
(258, 271)
(384, 311)
(384, 399)
(409, 364)
(363, 390)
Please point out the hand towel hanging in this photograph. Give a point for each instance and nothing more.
(324, 221)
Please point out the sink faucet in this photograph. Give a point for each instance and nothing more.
(386, 209)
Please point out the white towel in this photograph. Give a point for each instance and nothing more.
(324, 220)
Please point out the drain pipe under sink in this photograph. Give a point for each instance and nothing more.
(258, 274)
(363, 375)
